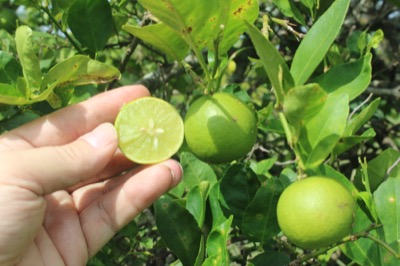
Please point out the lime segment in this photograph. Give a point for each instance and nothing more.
(150, 130)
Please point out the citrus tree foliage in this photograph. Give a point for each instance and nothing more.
(320, 74)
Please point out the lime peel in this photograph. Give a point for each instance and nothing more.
(316, 212)
(220, 128)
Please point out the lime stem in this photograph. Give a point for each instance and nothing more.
(350, 238)
(59, 27)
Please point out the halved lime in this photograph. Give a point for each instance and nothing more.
(150, 130)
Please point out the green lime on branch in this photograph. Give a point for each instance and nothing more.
(220, 128)
(150, 130)
(316, 212)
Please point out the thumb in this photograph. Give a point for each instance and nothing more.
(48, 169)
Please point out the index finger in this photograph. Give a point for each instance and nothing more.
(68, 124)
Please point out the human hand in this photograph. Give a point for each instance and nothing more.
(58, 202)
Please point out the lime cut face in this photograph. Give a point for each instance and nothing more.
(150, 130)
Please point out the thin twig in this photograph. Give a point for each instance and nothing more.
(122, 67)
(321, 251)
(59, 27)
(391, 168)
(361, 105)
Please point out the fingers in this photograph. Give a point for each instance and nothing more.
(118, 164)
(69, 123)
(48, 169)
(112, 211)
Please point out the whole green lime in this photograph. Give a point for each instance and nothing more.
(8, 19)
(220, 128)
(316, 212)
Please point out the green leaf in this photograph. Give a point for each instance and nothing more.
(363, 251)
(317, 41)
(178, 229)
(10, 69)
(201, 23)
(234, 26)
(288, 8)
(196, 171)
(351, 78)
(271, 258)
(54, 100)
(10, 95)
(78, 70)
(359, 120)
(28, 58)
(303, 102)
(387, 199)
(262, 167)
(91, 23)
(163, 38)
(238, 187)
(347, 143)
(260, 220)
(319, 135)
(273, 63)
(196, 201)
(19, 120)
(218, 216)
(198, 22)
(217, 245)
(377, 169)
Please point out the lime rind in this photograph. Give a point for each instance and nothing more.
(150, 130)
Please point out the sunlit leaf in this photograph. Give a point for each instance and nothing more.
(303, 102)
(78, 70)
(351, 78)
(320, 134)
(27, 54)
(288, 8)
(196, 201)
(10, 95)
(273, 62)
(196, 171)
(163, 38)
(202, 23)
(234, 26)
(217, 244)
(387, 198)
(317, 41)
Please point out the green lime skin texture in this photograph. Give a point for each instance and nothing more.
(220, 128)
(150, 130)
(316, 212)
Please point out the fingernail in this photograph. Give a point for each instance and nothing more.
(176, 172)
(101, 136)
